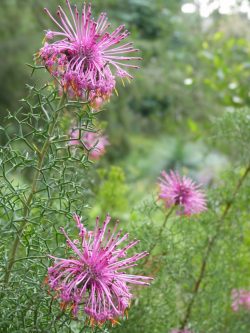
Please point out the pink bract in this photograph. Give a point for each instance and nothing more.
(180, 331)
(94, 278)
(96, 143)
(182, 192)
(240, 299)
(83, 56)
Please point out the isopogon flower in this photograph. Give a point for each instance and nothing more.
(96, 143)
(181, 331)
(182, 192)
(94, 277)
(81, 54)
(240, 299)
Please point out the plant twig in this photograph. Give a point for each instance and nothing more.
(160, 233)
(26, 209)
(210, 245)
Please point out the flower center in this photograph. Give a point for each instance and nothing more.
(86, 53)
(182, 195)
(93, 272)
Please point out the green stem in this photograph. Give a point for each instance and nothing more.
(26, 209)
(160, 233)
(210, 246)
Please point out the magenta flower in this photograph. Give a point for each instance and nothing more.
(240, 299)
(181, 331)
(94, 142)
(94, 276)
(182, 192)
(83, 54)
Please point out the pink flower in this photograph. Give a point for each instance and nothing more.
(182, 192)
(84, 52)
(94, 142)
(180, 331)
(240, 299)
(94, 276)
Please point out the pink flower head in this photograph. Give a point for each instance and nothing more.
(94, 142)
(82, 52)
(240, 299)
(183, 192)
(94, 276)
(180, 331)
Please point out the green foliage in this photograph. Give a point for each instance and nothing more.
(112, 194)
(233, 134)
(227, 68)
(177, 258)
(42, 182)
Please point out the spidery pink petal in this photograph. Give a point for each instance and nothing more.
(96, 143)
(181, 331)
(84, 57)
(240, 299)
(95, 277)
(182, 192)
